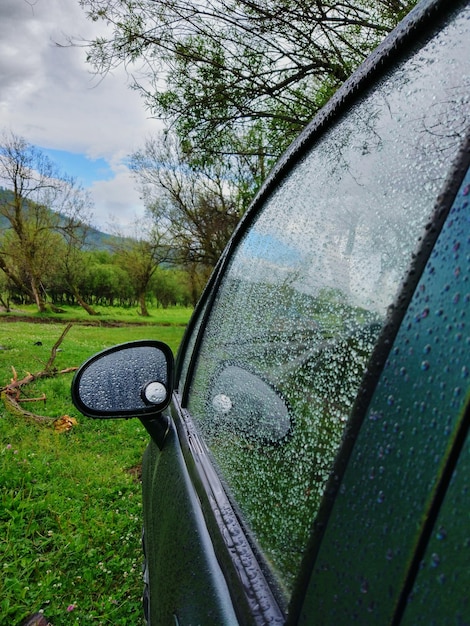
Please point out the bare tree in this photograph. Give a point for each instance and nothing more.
(72, 262)
(38, 205)
(199, 205)
(141, 255)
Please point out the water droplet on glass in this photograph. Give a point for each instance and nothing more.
(222, 404)
(441, 533)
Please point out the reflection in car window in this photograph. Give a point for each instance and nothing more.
(308, 289)
(407, 446)
(191, 342)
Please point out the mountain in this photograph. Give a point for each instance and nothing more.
(96, 239)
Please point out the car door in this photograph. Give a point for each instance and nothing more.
(284, 369)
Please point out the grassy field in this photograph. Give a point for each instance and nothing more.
(71, 508)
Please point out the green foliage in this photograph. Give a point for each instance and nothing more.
(198, 203)
(70, 517)
(234, 81)
(44, 209)
(171, 287)
(216, 69)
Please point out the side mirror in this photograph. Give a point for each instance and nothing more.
(132, 379)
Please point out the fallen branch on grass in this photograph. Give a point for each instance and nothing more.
(11, 393)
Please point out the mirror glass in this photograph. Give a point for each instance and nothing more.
(128, 380)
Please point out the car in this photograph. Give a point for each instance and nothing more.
(309, 459)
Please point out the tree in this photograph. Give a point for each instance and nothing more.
(4, 297)
(171, 287)
(216, 70)
(30, 260)
(40, 203)
(72, 263)
(140, 256)
(103, 281)
(198, 205)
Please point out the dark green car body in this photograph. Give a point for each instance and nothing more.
(310, 461)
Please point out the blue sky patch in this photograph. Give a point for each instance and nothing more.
(85, 170)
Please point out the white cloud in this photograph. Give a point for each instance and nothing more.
(51, 98)
(119, 200)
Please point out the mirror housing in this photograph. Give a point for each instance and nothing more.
(133, 379)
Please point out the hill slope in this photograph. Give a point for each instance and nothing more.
(96, 239)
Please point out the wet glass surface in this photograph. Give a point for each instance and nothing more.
(309, 287)
(392, 483)
(115, 382)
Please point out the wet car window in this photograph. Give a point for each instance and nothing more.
(307, 291)
(399, 466)
(191, 341)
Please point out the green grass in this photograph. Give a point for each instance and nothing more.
(107, 314)
(71, 504)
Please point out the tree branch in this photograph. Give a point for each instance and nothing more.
(10, 394)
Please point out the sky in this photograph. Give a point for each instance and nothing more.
(49, 96)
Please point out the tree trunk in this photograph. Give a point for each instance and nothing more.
(84, 304)
(39, 300)
(143, 305)
(5, 304)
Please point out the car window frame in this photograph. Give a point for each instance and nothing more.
(421, 22)
(242, 564)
